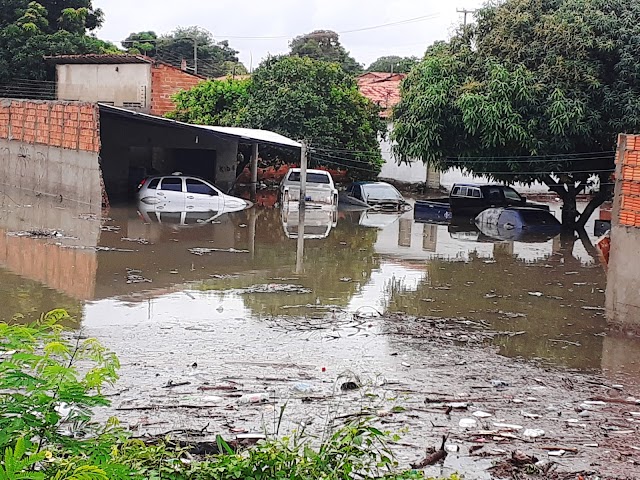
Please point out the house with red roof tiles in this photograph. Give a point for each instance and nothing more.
(384, 90)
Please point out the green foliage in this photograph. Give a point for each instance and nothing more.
(393, 63)
(31, 30)
(215, 59)
(324, 45)
(298, 97)
(214, 102)
(546, 84)
(44, 394)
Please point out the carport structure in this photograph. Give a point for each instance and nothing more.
(134, 145)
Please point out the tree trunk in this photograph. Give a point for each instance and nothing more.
(569, 212)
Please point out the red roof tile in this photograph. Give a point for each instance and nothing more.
(382, 88)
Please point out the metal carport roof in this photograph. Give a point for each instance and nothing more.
(246, 135)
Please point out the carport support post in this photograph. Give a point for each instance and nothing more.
(301, 208)
(254, 170)
(303, 174)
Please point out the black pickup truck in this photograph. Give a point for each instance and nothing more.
(468, 200)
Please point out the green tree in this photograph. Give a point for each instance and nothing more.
(31, 30)
(215, 59)
(324, 45)
(298, 97)
(214, 102)
(393, 63)
(141, 43)
(535, 90)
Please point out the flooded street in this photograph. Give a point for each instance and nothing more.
(203, 312)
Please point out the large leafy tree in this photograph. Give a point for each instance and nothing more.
(301, 98)
(215, 59)
(324, 45)
(31, 30)
(535, 90)
(393, 64)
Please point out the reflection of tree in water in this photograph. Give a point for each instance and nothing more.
(497, 290)
(346, 253)
(29, 299)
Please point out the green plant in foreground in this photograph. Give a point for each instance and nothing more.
(49, 384)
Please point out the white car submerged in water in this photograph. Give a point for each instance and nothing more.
(320, 188)
(183, 193)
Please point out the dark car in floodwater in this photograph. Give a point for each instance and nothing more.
(468, 200)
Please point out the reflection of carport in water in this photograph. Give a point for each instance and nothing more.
(135, 145)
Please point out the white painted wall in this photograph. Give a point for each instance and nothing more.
(119, 84)
(416, 172)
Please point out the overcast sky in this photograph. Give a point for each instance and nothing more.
(232, 20)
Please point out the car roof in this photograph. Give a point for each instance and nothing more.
(364, 182)
(478, 185)
(309, 170)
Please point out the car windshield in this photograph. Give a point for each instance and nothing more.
(312, 177)
(376, 190)
(511, 194)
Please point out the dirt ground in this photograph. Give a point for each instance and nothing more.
(424, 378)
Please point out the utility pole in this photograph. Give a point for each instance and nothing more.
(302, 207)
(195, 55)
(465, 12)
(303, 173)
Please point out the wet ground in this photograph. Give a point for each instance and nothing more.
(236, 307)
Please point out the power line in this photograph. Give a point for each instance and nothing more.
(354, 30)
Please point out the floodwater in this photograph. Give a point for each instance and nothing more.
(239, 299)
(551, 293)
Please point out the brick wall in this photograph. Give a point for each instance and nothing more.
(628, 180)
(166, 81)
(67, 125)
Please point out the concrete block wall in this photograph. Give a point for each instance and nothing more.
(166, 81)
(623, 276)
(51, 148)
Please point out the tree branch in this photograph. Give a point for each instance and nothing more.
(602, 196)
(555, 186)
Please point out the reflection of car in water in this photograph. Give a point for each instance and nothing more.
(521, 224)
(377, 195)
(319, 187)
(181, 218)
(376, 219)
(179, 193)
(318, 222)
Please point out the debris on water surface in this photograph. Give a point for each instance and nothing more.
(40, 233)
(536, 294)
(481, 414)
(273, 288)
(203, 251)
(141, 241)
(533, 433)
(499, 384)
(467, 422)
(135, 276)
(433, 456)
(254, 398)
(347, 386)
(302, 387)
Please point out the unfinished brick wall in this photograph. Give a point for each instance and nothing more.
(628, 180)
(73, 126)
(166, 81)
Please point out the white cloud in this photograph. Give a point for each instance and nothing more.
(289, 18)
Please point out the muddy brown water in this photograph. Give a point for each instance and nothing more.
(244, 309)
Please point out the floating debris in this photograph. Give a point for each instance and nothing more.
(141, 241)
(135, 276)
(273, 288)
(204, 251)
(41, 233)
